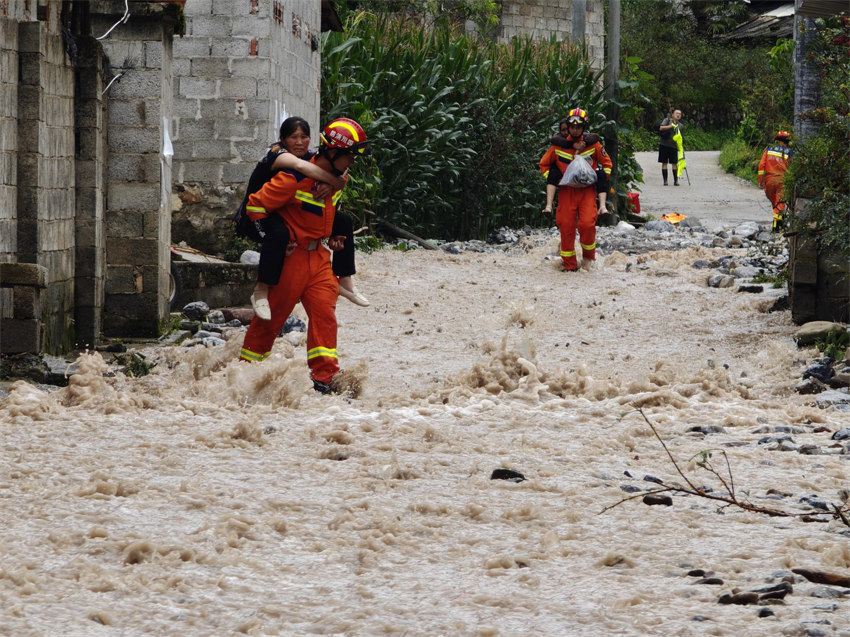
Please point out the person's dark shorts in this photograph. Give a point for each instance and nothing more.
(668, 155)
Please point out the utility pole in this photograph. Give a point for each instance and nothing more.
(612, 77)
(806, 78)
(579, 18)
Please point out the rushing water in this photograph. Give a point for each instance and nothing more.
(214, 497)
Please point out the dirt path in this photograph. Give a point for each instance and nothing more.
(711, 195)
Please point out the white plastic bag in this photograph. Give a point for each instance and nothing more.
(578, 174)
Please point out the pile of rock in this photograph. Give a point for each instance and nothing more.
(825, 377)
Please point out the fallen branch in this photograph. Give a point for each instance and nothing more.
(731, 499)
(392, 229)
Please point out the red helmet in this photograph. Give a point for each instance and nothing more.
(783, 136)
(344, 134)
(577, 116)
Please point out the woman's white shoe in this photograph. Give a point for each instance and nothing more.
(354, 296)
(261, 308)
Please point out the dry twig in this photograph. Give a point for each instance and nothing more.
(730, 498)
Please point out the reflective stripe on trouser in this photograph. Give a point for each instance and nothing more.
(306, 276)
(577, 211)
(773, 190)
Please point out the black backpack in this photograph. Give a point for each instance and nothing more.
(262, 173)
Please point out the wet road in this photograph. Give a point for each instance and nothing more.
(711, 195)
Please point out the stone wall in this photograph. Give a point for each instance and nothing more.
(54, 217)
(818, 282)
(8, 140)
(45, 169)
(241, 67)
(541, 19)
(89, 235)
(137, 213)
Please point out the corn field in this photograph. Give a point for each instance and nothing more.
(458, 124)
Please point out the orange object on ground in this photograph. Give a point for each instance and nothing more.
(673, 217)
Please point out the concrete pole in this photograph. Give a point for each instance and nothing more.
(806, 78)
(579, 18)
(612, 76)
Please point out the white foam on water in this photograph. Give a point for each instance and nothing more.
(217, 497)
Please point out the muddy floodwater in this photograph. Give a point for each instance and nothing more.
(214, 497)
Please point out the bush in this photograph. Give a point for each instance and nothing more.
(740, 159)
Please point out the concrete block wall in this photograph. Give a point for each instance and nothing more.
(239, 69)
(541, 19)
(89, 240)
(8, 153)
(8, 139)
(46, 171)
(137, 214)
(23, 330)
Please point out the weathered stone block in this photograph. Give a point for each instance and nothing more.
(186, 108)
(210, 67)
(191, 47)
(129, 113)
(153, 54)
(30, 274)
(121, 279)
(205, 172)
(192, 129)
(21, 335)
(31, 37)
(239, 87)
(120, 251)
(134, 168)
(250, 26)
(126, 224)
(8, 160)
(234, 47)
(84, 292)
(214, 149)
(256, 67)
(203, 88)
(9, 97)
(237, 173)
(26, 302)
(210, 25)
(133, 196)
(231, 7)
(134, 140)
(89, 202)
(137, 83)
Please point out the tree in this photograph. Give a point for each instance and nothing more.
(820, 169)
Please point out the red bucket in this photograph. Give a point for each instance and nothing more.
(634, 201)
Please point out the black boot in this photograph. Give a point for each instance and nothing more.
(664, 174)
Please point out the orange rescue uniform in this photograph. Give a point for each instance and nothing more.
(772, 167)
(306, 276)
(577, 208)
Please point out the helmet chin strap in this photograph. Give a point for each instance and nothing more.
(332, 159)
